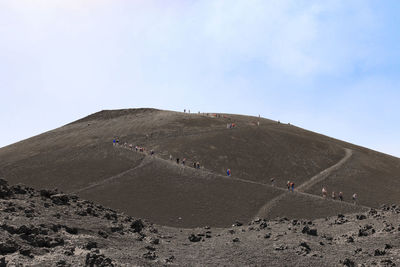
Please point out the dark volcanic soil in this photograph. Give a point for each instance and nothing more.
(80, 157)
(202, 217)
(48, 228)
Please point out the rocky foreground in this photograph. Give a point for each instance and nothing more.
(48, 228)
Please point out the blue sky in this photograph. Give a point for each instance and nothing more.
(328, 66)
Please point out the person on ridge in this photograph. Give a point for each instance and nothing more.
(340, 196)
(228, 172)
(292, 186)
(177, 160)
(324, 192)
(333, 195)
(355, 198)
(183, 161)
(288, 185)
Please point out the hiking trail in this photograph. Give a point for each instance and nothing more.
(266, 209)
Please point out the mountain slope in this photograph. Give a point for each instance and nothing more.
(80, 157)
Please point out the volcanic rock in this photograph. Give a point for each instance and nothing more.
(348, 262)
(7, 247)
(91, 244)
(366, 230)
(98, 260)
(309, 231)
(60, 199)
(194, 238)
(137, 226)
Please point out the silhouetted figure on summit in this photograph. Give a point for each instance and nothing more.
(355, 198)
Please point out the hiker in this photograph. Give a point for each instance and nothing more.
(114, 142)
(194, 165)
(324, 192)
(183, 161)
(292, 186)
(184, 111)
(170, 157)
(272, 181)
(355, 198)
(288, 186)
(117, 141)
(198, 165)
(228, 172)
(152, 152)
(333, 195)
(340, 196)
(177, 160)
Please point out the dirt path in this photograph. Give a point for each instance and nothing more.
(144, 162)
(325, 173)
(266, 209)
(205, 172)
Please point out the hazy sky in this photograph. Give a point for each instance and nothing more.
(328, 66)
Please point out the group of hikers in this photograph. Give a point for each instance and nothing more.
(338, 196)
(130, 146)
(290, 186)
(230, 125)
(196, 165)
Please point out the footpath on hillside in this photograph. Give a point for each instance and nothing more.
(265, 210)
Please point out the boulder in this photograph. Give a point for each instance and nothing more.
(8, 247)
(3, 262)
(348, 262)
(366, 230)
(137, 226)
(361, 217)
(98, 260)
(5, 191)
(60, 199)
(309, 231)
(48, 193)
(91, 244)
(194, 238)
(379, 252)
